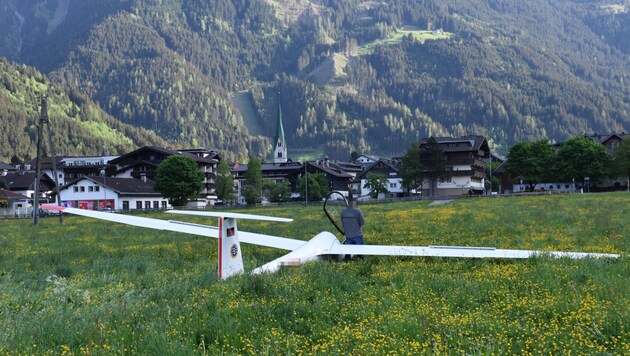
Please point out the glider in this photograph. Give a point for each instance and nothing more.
(230, 261)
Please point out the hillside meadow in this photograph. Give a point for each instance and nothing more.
(418, 34)
(92, 287)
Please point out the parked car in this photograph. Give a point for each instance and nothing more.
(42, 212)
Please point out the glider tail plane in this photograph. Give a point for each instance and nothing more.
(230, 258)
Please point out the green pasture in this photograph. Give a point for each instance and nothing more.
(92, 287)
(419, 35)
(307, 155)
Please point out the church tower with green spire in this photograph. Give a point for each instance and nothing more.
(280, 154)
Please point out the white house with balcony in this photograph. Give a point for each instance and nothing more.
(465, 159)
(384, 168)
(112, 194)
(144, 162)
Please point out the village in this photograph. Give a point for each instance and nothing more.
(126, 182)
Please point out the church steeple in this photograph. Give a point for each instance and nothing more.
(280, 154)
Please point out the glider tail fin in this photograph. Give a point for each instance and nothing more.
(230, 258)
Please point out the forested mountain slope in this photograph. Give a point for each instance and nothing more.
(77, 125)
(508, 69)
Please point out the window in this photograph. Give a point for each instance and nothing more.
(156, 204)
(163, 204)
(147, 205)
(97, 188)
(75, 189)
(125, 204)
(393, 185)
(90, 189)
(82, 189)
(139, 205)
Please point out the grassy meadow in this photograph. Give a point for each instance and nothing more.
(418, 35)
(93, 287)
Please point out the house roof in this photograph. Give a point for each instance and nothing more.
(166, 152)
(203, 152)
(9, 195)
(460, 144)
(46, 162)
(123, 186)
(603, 138)
(330, 167)
(270, 167)
(349, 166)
(7, 167)
(24, 180)
(370, 157)
(381, 165)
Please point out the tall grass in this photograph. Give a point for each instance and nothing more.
(94, 287)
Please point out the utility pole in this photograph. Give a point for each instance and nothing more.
(43, 119)
(55, 173)
(305, 183)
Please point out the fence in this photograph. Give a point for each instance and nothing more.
(6, 213)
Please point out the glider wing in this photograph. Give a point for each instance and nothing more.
(454, 251)
(188, 228)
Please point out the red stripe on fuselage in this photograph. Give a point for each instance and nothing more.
(220, 247)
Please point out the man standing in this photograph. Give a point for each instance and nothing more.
(352, 220)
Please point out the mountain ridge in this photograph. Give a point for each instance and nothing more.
(512, 70)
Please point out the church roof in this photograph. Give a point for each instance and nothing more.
(279, 129)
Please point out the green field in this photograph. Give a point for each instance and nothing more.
(418, 35)
(92, 287)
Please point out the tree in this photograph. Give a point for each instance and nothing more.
(377, 184)
(532, 161)
(354, 156)
(179, 179)
(225, 182)
(276, 192)
(317, 186)
(434, 162)
(15, 160)
(253, 181)
(411, 171)
(621, 160)
(581, 157)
